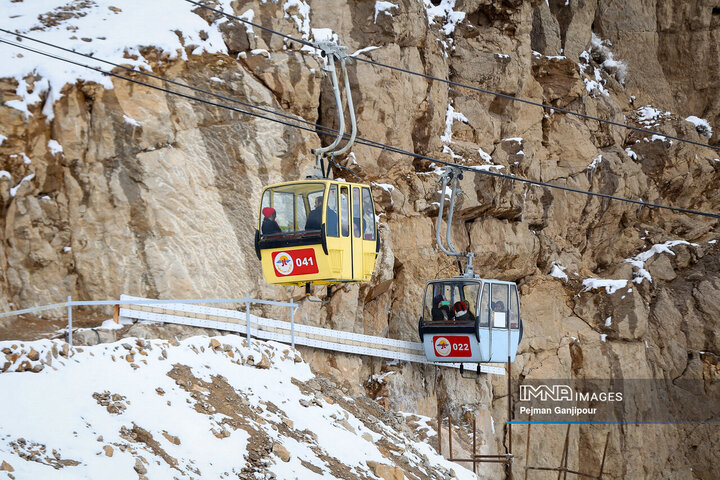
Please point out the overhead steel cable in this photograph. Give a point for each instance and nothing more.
(248, 22)
(328, 131)
(374, 144)
(538, 104)
(469, 87)
(162, 89)
(173, 82)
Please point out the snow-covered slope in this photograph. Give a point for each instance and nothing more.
(200, 408)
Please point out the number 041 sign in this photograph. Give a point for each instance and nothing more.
(295, 262)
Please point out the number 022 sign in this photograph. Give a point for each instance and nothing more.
(452, 346)
(295, 262)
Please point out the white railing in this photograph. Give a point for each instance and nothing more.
(197, 313)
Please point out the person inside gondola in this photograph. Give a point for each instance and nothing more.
(314, 220)
(498, 306)
(269, 225)
(462, 311)
(332, 216)
(441, 309)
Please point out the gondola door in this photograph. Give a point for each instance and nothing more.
(345, 232)
(357, 245)
(370, 242)
(499, 328)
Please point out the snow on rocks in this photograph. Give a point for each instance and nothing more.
(595, 164)
(299, 12)
(595, 86)
(659, 138)
(701, 125)
(131, 121)
(484, 155)
(638, 261)
(648, 116)
(435, 170)
(363, 50)
(444, 10)
(248, 15)
(558, 271)
(450, 116)
(385, 186)
(93, 29)
(210, 407)
(383, 7)
(14, 190)
(55, 147)
(23, 155)
(485, 168)
(600, 50)
(610, 286)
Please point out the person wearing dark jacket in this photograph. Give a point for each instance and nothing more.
(314, 220)
(462, 311)
(269, 225)
(441, 309)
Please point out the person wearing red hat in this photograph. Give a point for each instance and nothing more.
(462, 311)
(269, 225)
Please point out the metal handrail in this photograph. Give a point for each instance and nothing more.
(85, 303)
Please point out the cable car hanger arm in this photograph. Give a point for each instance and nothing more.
(332, 52)
(454, 174)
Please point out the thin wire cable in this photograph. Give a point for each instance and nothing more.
(469, 87)
(248, 22)
(322, 130)
(377, 144)
(342, 167)
(327, 131)
(162, 89)
(538, 104)
(173, 82)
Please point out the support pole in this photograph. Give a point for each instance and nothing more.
(69, 335)
(292, 323)
(439, 430)
(602, 463)
(450, 436)
(247, 318)
(474, 449)
(563, 460)
(509, 384)
(527, 445)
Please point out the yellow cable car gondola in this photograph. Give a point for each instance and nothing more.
(319, 230)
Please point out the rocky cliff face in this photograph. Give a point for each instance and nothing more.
(165, 206)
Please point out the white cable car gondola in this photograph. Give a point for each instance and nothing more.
(471, 320)
(468, 319)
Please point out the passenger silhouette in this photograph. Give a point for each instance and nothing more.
(269, 225)
(314, 220)
(462, 311)
(441, 309)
